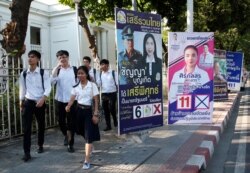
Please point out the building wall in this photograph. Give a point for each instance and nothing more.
(58, 29)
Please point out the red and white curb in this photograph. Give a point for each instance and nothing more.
(199, 160)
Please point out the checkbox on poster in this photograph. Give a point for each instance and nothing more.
(201, 101)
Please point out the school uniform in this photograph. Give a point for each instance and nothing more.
(95, 75)
(32, 89)
(109, 97)
(64, 81)
(84, 125)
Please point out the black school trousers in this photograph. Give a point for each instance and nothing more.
(29, 109)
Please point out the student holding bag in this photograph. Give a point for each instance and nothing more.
(86, 119)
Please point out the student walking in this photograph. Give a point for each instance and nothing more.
(85, 92)
(64, 77)
(94, 74)
(34, 89)
(109, 83)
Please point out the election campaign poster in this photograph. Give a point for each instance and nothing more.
(234, 68)
(139, 57)
(190, 77)
(220, 75)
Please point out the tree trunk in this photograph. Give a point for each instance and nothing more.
(165, 55)
(91, 38)
(15, 31)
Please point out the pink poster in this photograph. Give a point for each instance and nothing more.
(190, 77)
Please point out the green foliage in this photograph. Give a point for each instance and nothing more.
(229, 19)
(227, 40)
(98, 10)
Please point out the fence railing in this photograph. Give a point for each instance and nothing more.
(10, 114)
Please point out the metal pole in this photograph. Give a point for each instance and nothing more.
(190, 18)
(134, 5)
(77, 35)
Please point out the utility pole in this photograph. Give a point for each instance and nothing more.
(190, 16)
(134, 5)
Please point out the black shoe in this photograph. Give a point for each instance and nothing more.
(26, 157)
(65, 141)
(71, 149)
(40, 149)
(107, 129)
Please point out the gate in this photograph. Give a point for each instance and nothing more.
(10, 114)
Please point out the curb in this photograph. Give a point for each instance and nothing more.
(204, 152)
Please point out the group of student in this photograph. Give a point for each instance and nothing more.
(76, 98)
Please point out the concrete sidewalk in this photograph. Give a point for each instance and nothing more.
(168, 149)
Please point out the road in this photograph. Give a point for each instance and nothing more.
(232, 154)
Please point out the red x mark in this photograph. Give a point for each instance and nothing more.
(157, 108)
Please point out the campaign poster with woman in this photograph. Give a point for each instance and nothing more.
(190, 77)
(139, 61)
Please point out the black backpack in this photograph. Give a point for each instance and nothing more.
(41, 73)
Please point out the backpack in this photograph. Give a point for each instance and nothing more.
(113, 74)
(94, 70)
(41, 73)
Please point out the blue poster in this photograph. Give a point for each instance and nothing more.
(234, 68)
(139, 61)
(190, 77)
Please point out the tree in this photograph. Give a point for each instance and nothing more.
(103, 10)
(15, 31)
(229, 19)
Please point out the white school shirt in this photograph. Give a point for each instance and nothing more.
(33, 90)
(84, 96)
(108, 82)
(150, 61)
(64, 84)
(96, 76)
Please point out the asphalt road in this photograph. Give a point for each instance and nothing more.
(232, 154)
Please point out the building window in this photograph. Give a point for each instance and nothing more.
(35, 35)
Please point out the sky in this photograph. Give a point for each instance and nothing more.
(49, 2)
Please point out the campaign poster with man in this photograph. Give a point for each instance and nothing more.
(139, 61)
(234, 69)
(190, 77)
(220, 75)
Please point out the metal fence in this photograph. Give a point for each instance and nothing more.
(10, 114)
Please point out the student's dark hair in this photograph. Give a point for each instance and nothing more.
(62, 52)
(146, 37)
(85, 69)
(104, 61)
(191, 47)
(87, 58)
(36, 53)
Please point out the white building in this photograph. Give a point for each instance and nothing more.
(52, 27)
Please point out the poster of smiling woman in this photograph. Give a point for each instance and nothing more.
(190, 77)
(139, 61)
